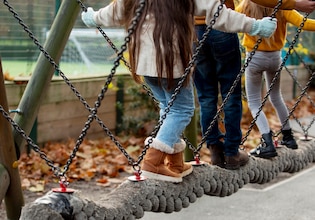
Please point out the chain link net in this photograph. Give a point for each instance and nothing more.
(93, 110)
(277, 74)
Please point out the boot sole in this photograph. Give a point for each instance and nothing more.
(156, 176)
(292, 147)
(221, 165)
(266, 155)
(232, 167)
(187, 172)
(236, 166)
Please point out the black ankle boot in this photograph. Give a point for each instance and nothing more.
(288, 139)
(266, 149)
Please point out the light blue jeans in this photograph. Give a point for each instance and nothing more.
(265, 64)
(180, 112)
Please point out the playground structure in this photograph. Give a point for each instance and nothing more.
(132, 198)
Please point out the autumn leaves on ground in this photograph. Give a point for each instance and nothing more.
(101, 162)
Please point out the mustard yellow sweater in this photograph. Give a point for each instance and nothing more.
(286, 4)
(278, 40)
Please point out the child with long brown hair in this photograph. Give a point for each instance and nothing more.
(160, 49)
(266, 61)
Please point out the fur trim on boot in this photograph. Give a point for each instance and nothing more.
(175, 162)
(180, 146)
(153, 167)
(159, 145)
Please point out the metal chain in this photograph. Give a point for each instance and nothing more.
(303, 90)
(113, 46)
(299, 100)
(187, 71)
(295, 80)
(303, 93)
(101, 95)
(84, 8)
(55, 169)
(305, 130)
(42, 155)
(177, 90)
(119, 57)
(179, 84)
(97, 103)
(238, 78)
(110, 77)
(277, 73)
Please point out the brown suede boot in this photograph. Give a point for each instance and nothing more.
(175, 162)
(235, 162)
(153, 167)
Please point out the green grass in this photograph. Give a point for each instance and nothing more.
(24, 68)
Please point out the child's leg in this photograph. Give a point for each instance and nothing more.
(278, 103)
(170, 131)
(253, 73)
(179, 114)
(253, 84)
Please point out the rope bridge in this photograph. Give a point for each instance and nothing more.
(132, 198)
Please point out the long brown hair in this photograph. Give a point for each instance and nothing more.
(173, 32)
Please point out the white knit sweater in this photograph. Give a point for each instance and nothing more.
(228, 21)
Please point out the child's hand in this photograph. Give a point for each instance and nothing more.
(264, 27)
(87, 17)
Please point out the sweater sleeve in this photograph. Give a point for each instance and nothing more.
(111, 15)
(286, 4)
(295, 18)
(228, 19)
(200, 20)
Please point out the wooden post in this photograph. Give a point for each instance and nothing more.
(14, 197)
(43, 72)
(4, 182)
